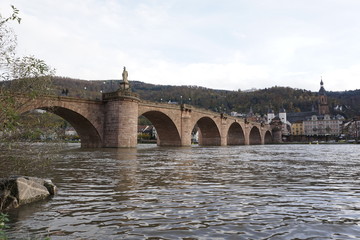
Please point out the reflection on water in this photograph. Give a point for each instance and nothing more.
(244, 192)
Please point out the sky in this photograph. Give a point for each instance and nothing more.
(227, 44)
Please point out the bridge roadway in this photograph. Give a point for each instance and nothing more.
(113, 122)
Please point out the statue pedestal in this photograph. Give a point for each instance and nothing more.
(124, 85)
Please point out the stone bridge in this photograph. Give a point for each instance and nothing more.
(113, 121)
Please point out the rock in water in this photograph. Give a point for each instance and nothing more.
(15, 191)
(31, 189)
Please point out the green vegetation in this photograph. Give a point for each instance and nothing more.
(38, 126)
(32, 78)
(143, 121)
(3, 220)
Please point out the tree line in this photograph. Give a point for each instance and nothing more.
(260, 101)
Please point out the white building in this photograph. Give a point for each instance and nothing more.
(282, 115)
(270, 116)
(323, 125)
(286, 125)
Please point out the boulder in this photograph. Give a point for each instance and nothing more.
(18, 190)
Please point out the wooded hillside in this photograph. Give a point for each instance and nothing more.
(293, 100)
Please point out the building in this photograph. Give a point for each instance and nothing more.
(323, 105)
(351, 129)
(147, 132)
(297, 128)
(280, 119)
(282, 115)
(70, 131)
(236, 114)
(323, 125)
(270, 116)
(318, 122)
(254, 117)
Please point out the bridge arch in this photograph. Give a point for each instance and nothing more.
(167, 132)
(235, 135)
(89, 135)
(209, 134)
(254, 136)
(268, 137)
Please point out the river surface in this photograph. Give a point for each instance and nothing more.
(242, 192)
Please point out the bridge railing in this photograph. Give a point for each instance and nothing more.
(119, 94)
(188, 107)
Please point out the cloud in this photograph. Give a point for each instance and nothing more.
(232, 45)
(211, 75)
(286, 49)
(343, 78)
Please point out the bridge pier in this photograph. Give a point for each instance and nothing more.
(247, 133)
(121, 119)
(223, 136)
(185, 127)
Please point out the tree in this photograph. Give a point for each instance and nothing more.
(7, 44)
(25, 76)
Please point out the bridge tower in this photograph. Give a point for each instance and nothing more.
(121, 116)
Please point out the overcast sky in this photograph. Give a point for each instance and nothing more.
(227, 44)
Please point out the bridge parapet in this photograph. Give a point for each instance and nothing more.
(190, 108)
(120, 94)
(160, 105)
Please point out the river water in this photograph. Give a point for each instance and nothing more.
(242, 192)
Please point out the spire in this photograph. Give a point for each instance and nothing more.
(322, 89)
(323, 106)
(321, 82)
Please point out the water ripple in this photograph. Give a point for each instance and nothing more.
(245, 192)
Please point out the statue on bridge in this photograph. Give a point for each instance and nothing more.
(125, 76)
(123, 90)
(124, 84)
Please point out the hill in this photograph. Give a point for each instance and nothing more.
(293, 100)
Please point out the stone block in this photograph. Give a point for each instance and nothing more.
(15, 191)
(31, 189)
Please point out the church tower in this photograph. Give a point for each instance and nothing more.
(270, 115)
(282, 115)
(323, 106)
